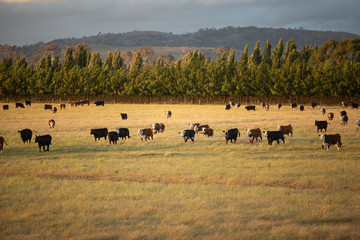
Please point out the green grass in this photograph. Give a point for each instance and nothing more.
(167, 189)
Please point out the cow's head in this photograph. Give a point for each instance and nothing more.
(141, 131)
(266, 133)
(248, 130)
(322, 137)
(36, 138)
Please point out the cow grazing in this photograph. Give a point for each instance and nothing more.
(321, 125)
(274, 136)
(253, 134)
(124, 116)
(99, 133)
(168, 114)
(99, 103)
(43, 141)
(123, 133)
(199, 128)
(343, 113)
(330, 139)
(26, 135)
(158, 127)
(192, 125)
(344, 119)
(354, 105)
(145, 133)
(208, 132)
(358, 125)
(54, 110)
(227, 107)
(47, 107)
(250, 108)
(62, 105)
(323, 111)
(83, 102)
(301, 107)
(2, 142)
(75, 104)
(232, 103)
(344, 104)
(51, 123)
(267, 107)
(20, 105)
(231, 135)
(113, 137)
(28, 103)
(330, 116)
(5, 107)
(279, 105)
(314, 105)
(286, 129)
(188, 134)
(293, 105)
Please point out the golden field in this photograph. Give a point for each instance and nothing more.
(167, 189)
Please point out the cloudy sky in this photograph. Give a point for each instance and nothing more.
(30, 21)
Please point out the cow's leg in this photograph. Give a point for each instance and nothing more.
(278, 141)
(283, 140)
(48, 147)
(186, 139)
(192, 139)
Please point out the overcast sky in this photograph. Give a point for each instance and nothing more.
(30, 21)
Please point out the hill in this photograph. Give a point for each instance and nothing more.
(178, 44)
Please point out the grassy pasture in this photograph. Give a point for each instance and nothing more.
(167, 189)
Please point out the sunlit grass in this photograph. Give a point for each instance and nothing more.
(167, 189)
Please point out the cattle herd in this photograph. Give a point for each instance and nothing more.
(194, 128)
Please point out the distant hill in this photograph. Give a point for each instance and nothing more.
(233, 37)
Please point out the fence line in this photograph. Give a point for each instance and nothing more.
(184, 99)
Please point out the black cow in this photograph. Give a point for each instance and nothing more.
(250, 108)
(20, 105)
(123, 116)
(123, 133)
(48, 107)
(314, 105)
(28, 103)
(43, 141)
(354, 105)
(293, 105)
(238, 105)
(231, 135)
(99, 103)
(188, 134)
(26, 135)
(99, 133)
(5, 107)
(113, 137)
(227, 107)
(301, 107)
(321, 125)
(323, 111)
(343, 113)
(274, 136)
(279, 106)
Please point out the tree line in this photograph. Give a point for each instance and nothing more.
(332, 70)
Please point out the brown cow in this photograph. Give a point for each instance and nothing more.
(253, 134)
(2, 141)
(145, 133)
(286, 129)
(328, 140)
(51, 123)
(331, 116)
(62, 105)
(158, 127)
(54, 110)
(208, 132)
(168, 114)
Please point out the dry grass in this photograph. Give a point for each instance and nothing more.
(166, 189)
